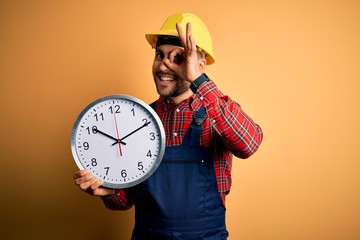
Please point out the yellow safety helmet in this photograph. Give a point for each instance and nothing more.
(199, 30)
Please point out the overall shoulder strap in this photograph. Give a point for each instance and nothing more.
(153, 105)
(193, 134)
(198, 117)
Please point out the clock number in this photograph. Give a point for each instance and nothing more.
(116, 108)
(149, 154)
(145, 121)
(152, 136)
(133, 112)
(106, 170)
(86, 146)
(123, 173)
(93, 162)
(93, 130)
(140, 166)
(99, 117)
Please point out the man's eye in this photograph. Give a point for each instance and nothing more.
(159, 56)
(178, 58)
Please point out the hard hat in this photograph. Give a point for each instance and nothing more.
(198, 30)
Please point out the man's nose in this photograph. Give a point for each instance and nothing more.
(163, 65)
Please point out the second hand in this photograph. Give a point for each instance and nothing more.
(117, 133)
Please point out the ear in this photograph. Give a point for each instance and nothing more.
(202, 64)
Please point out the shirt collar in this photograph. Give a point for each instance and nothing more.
(168, 103)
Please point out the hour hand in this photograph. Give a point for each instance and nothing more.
(96, 130)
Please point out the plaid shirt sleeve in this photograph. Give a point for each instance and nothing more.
(239, 133)
(118, 201)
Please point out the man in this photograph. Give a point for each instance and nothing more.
(185, 197)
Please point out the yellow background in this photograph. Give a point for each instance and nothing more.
(294, 66)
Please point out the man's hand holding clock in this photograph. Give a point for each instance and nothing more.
(88, 183)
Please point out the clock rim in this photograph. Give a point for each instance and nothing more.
(144, 105)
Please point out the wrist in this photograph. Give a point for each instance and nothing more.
(110, 194)
(198, 81)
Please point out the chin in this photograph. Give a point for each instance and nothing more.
(163, 91)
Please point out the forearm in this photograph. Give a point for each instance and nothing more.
(237, 130)
(118, 201)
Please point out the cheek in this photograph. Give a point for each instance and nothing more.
(153, 69)
(155, 66)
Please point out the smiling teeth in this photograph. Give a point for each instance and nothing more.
(166, 79)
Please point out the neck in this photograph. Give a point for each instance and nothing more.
(178, 99)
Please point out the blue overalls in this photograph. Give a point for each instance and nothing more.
(181, 199)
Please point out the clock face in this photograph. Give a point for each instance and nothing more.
(118, 139)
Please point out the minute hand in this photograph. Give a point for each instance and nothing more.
(107, 135)
(144, 125)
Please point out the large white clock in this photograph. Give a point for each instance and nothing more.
(118, 139)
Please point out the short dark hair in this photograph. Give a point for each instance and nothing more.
(170, 40)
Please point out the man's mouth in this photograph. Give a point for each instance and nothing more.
(166, 77)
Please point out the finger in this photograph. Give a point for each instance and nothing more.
(190, 39)
(174, 59)
(188, 35)
(84, 179)
(181, 34)
(96, 184)
(94, 187)
(176, 56)
(80, 173)
(173, 67)
(85, 186)
(81, 176)
(104, 191)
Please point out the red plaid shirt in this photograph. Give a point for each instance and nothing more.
(227, 130)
